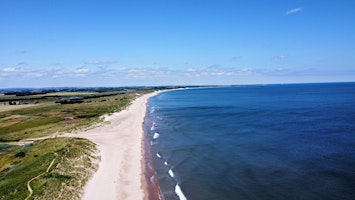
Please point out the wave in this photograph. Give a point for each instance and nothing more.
(153, 143)
(179, 192)
(151, 179)
(171, 173)
(153, 127)
(152, 109)
(156, 136)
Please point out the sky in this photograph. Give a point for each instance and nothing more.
(60, 43)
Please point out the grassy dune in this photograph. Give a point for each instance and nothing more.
(73, 162)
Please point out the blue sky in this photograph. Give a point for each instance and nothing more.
(46, 43)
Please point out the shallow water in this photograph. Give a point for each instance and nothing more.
(255, 142)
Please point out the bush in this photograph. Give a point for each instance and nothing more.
(20, 154)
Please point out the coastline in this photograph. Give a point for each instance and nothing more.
(149, 177)
(123, 167)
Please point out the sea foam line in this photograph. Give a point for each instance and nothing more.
(179, 192)
(171, 173)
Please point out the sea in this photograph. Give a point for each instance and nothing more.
(282, 141)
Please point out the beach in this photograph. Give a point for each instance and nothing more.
(120, 144)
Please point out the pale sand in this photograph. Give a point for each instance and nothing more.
(120, 173)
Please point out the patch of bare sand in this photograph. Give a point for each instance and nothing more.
(120, 144)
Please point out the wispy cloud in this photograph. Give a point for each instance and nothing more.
(281, 70)
(14, 73)
(280, 57)
(293, 11)
(21, 51)
(106, 75)
(15, 70)
(82, 70)
(135, 73)
(100, 62)
(236, 57)
(219, 71)
(21, 63)
(191, 69)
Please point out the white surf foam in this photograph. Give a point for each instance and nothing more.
(153, 126)
(153, 143)
(158, 155)
(166, 163)
(171, 173)
(152, 109)
(156, 135)
(179, 192)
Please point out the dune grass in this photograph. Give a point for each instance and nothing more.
(73, 162)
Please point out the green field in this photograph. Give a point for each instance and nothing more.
(50, 117)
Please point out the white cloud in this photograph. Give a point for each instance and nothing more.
(82, 70)
(146, 73)
(280, 69)
(102, 62)
(56, 72)
(61, 72)
(191, 70)
(293, 11)
(15, 70)
(281, 57)
(219, 71)
(15, 73)
(246, 71)
(57, 75)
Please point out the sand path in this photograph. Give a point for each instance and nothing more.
(120, 144)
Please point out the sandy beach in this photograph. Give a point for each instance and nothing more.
(120, 173)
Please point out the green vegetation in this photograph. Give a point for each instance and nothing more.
(53, 169)
(50, 117)
(29, 124)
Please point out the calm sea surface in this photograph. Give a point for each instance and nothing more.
(292, 141)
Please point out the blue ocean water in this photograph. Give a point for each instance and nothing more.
(293, 141)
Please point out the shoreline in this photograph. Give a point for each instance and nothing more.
(123, 167)
(149, 176)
